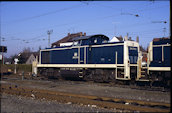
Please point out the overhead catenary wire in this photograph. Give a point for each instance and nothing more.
(134, 9)
(50, 27)
(44, 14)
(32, 39)
(88, 21)
(65, 24)
(24, 40)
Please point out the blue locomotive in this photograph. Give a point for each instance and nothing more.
(92, 58)
(159, 61)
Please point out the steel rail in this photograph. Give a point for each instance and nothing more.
(105, 102)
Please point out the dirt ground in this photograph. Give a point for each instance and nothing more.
(89, 88)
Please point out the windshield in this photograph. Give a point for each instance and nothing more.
(133, 54)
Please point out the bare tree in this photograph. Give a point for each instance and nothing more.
(26, 50)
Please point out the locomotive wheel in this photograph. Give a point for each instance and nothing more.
(132, 83)
(88, 75)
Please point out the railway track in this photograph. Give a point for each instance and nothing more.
(94, 101)
(111, 84)
(117, 84)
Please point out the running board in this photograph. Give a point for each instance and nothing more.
(142, 80)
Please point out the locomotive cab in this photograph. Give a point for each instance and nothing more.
(131, 61)
(91, 40)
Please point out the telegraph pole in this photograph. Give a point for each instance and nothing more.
(49, 32)
(164, 30)
(170, 22)
(114, 27)
(127, 35)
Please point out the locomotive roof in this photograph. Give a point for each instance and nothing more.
(90, 36)
(161, 41)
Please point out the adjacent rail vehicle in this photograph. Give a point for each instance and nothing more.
(159, 61)
(94, 58)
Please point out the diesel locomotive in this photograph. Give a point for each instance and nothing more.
(159, 61)
(92, 58)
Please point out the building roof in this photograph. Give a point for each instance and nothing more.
(68, 38)
(114, 39)
(31, 59)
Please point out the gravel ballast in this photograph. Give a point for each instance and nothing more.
(13, 103)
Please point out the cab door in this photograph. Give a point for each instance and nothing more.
(133, 57)
(82, 55)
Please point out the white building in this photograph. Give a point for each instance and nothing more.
(114, 39)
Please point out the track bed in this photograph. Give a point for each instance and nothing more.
(92, 93)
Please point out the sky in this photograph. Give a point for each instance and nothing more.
(25, 24)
